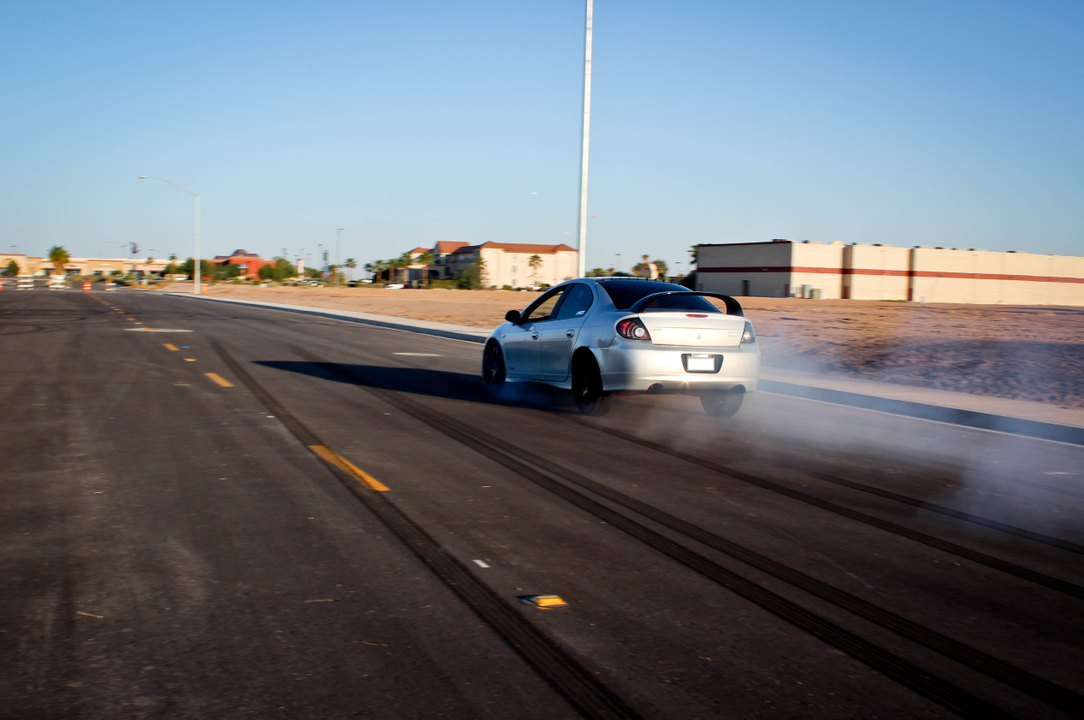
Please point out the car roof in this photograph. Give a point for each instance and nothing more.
(616, 278)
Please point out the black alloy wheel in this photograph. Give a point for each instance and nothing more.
(722, 404)
(587, 387)
(493, 372)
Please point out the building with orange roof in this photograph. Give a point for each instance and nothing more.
(249, 263)
(507, 263)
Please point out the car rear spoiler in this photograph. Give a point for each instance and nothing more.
(732, 306)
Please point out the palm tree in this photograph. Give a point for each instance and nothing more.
(350, 264)
(426, 258)
(403, 262)
(534, 262)
(693, 251)
(59, 257)
(379, 267)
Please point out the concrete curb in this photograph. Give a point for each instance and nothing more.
(424, 327)
(926, 411)
(922, 411)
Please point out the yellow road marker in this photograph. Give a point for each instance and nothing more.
(219, 379)
(171, 346)
(190, 359)
(544, 602)
(342, 463)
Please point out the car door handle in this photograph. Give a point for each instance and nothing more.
(534, 336)
(570, 333)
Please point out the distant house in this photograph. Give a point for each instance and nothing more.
(249, 263)
(507, 263)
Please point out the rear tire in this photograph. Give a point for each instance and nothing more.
(587, 387)
(493, 369)
(722, 404)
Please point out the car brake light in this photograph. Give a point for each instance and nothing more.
(690, 315)
(748, 336)
(632, 329)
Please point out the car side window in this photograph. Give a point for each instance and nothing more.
(576, 303)
(542, 308)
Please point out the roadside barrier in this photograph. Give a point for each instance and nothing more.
(86, 287)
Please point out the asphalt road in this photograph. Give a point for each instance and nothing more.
(273, 515)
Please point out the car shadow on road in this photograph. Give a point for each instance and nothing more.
(463, 387)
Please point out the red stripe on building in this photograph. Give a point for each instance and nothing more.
(994, 276)
(776, 269)
(787, 269)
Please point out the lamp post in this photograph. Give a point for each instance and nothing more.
(338, 256)
(585, 147)
(196, 265)
(120, 244)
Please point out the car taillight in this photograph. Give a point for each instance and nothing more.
(748, 336)
(632, 329)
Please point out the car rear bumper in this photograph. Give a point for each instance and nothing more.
(653, 368)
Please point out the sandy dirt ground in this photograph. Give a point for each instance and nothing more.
(1027, 353)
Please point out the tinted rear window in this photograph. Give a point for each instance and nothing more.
(692, 303)
(626, 292)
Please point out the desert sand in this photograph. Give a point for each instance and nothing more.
(1027, 353)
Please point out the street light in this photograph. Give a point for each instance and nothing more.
(338, 256)
(120, 244)
(585, 146)
(196, 269)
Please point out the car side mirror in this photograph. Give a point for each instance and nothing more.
(513, 317)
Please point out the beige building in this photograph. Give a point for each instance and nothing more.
(507, 263)
(29, 265)
(780, 268)
(786, 268)
(875, 272)
(26, 264)
(1011, 278)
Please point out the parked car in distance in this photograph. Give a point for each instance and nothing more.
(600, 336)
(393, 286)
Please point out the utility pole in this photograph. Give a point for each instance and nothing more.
(197, 266)
(586, 141)
(338, 256)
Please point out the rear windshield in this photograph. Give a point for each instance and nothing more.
(626, 292)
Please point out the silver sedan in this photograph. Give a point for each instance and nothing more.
(600, 336)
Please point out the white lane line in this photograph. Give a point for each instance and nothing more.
(481, 563)
(418, 354)
(154, 330)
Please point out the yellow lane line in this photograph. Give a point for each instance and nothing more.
(342, 463)
(190, 359)
(219, 379)
(171, 346)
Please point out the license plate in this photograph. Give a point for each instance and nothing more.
(700, 363)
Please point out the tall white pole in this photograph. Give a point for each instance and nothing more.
(197, 266)
(196, 269)
(586, 141)
(338, 256)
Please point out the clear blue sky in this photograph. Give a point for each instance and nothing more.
(948, 123)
